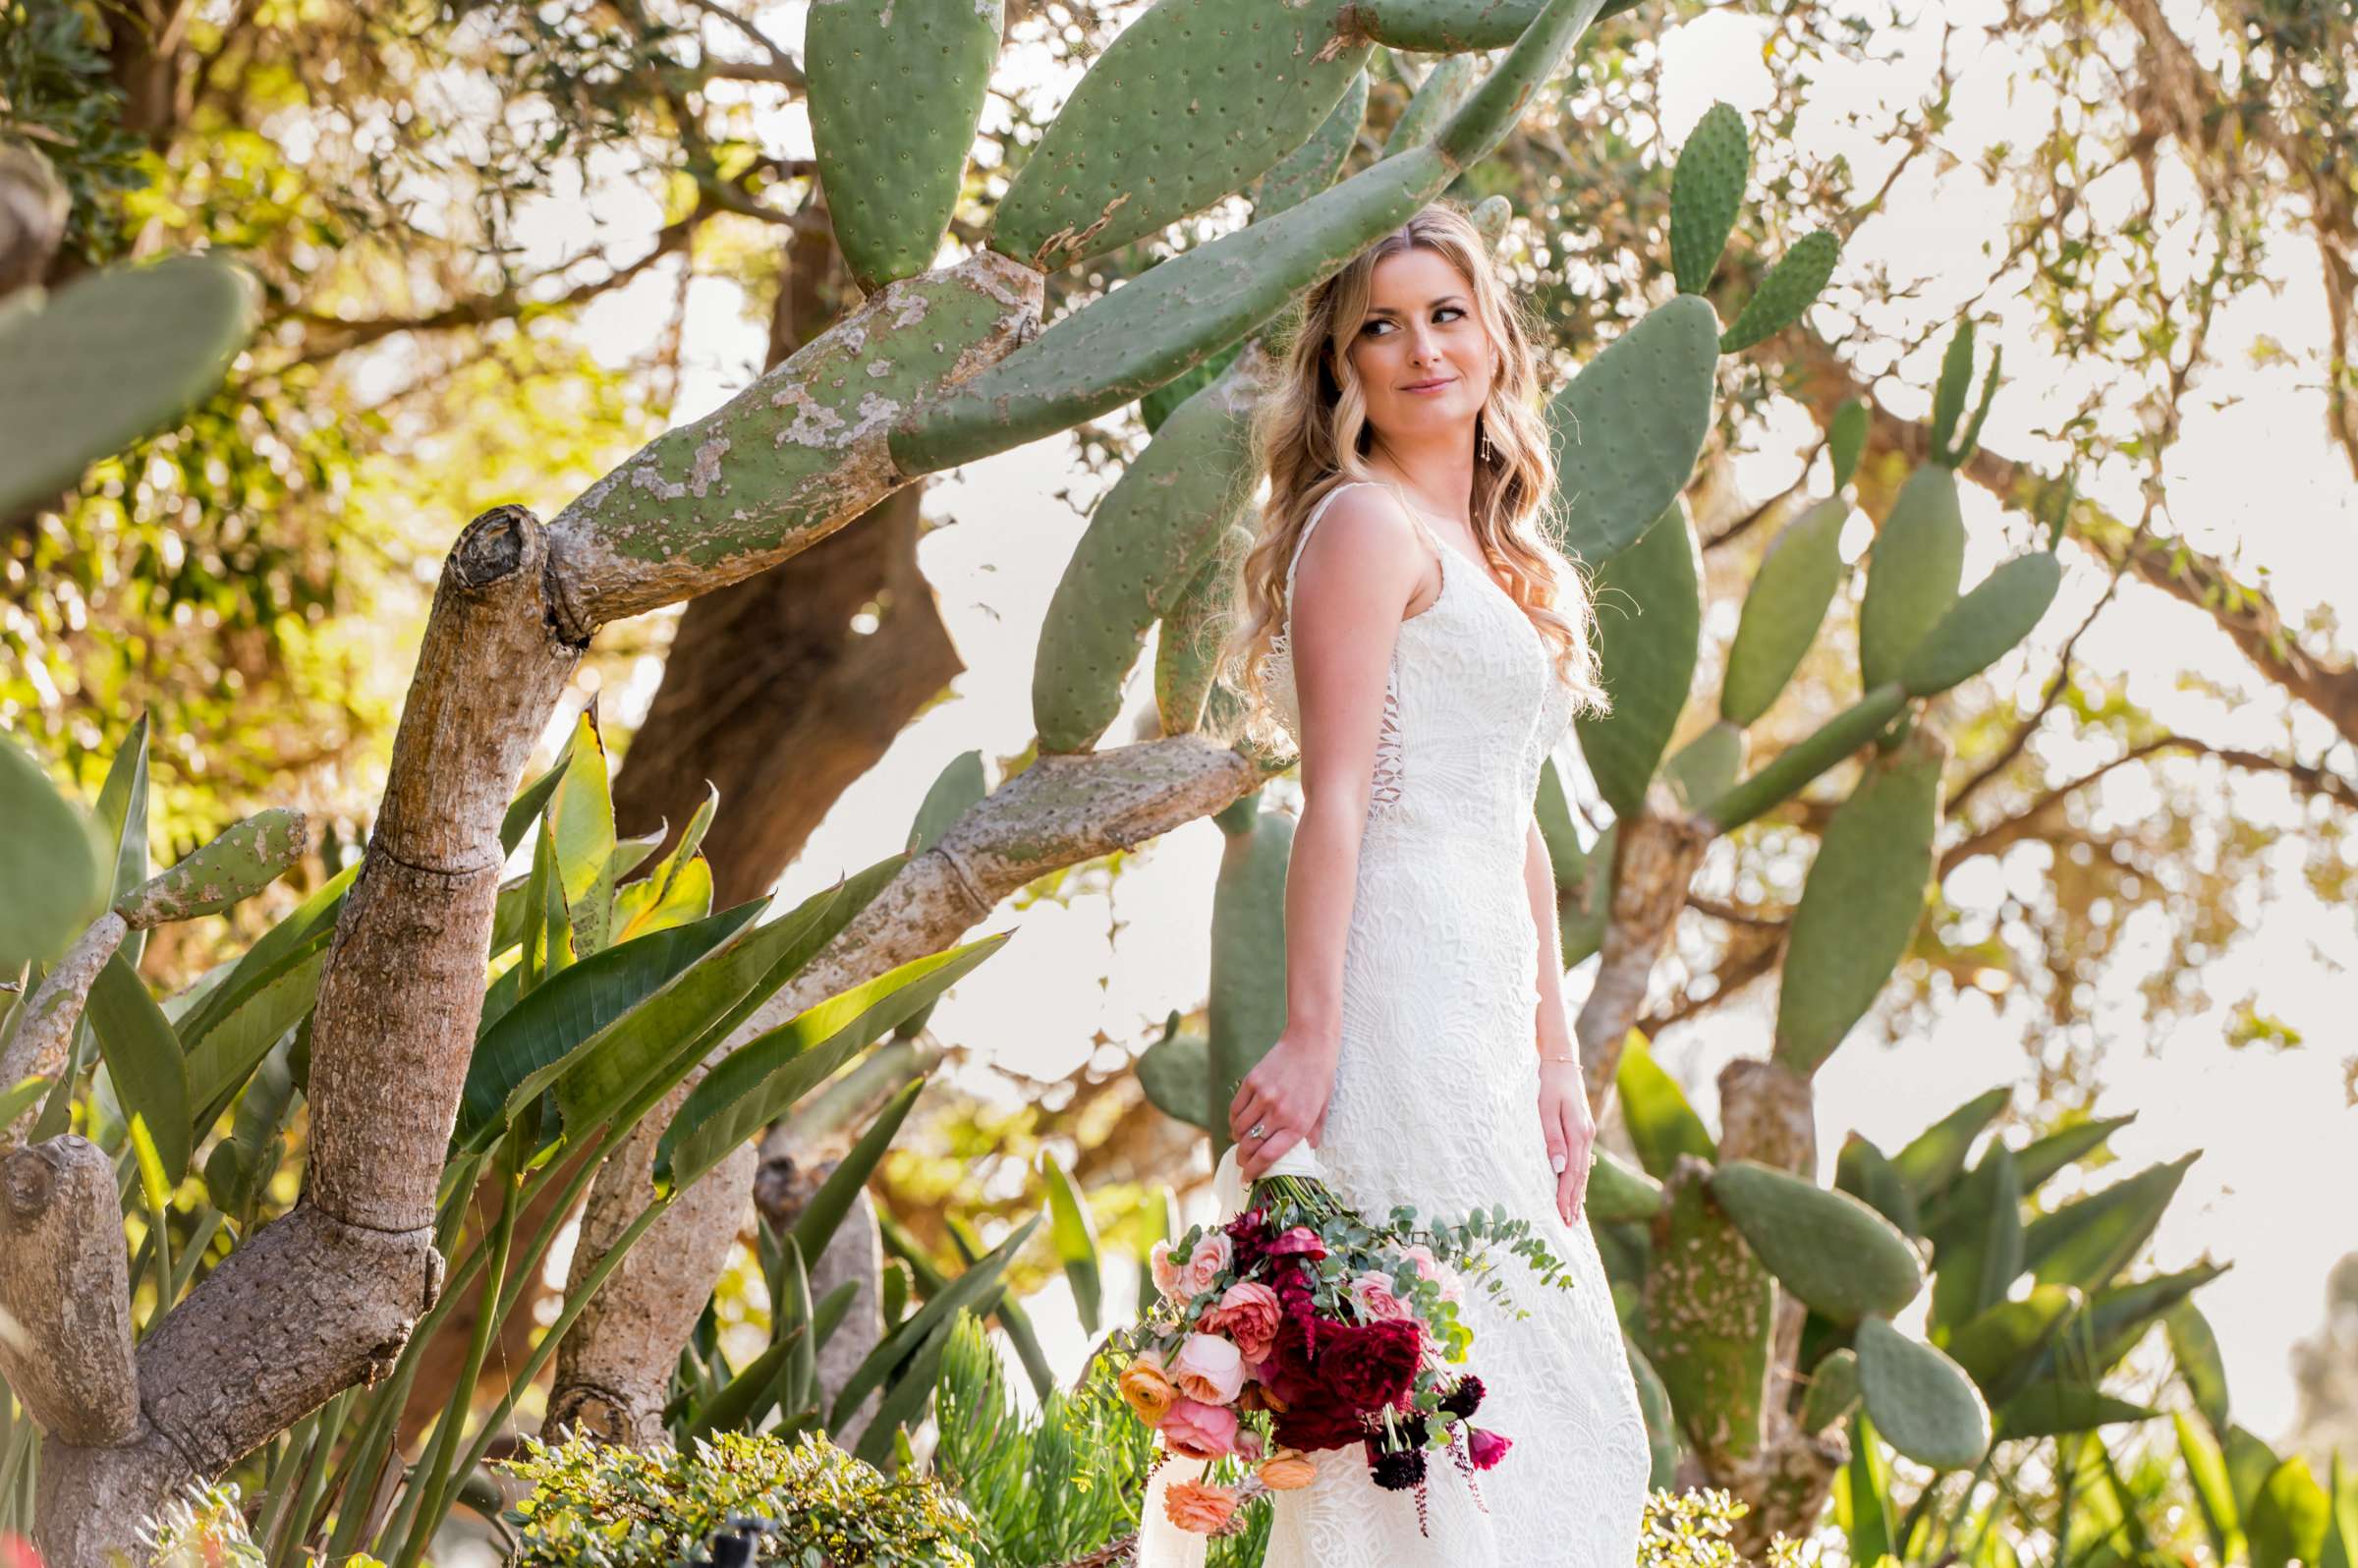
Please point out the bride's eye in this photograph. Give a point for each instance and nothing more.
(1375, 327)
(1448, 312)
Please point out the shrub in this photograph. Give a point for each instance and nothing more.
(1691, 1529)
(599, 1506)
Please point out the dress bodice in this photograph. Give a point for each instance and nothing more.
(1472, 708)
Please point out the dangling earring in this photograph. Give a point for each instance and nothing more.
(1488, 452)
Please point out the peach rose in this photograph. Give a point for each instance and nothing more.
(1196, 1508)
(1164, 1271)
(1249, 1315)
(1206, 1265)
(1146, 1387)
(1374, 1294)
(1198, 1431)
(1208, 1369)
(1287, 1470)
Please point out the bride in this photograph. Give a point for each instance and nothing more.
(1409, 623)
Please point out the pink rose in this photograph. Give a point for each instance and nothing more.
(1486, 1448)
(1206, 1265)
(1374, 1294)
(1166, 1273)
(1427, 1268)
(1198, 1431)
(1208, 1369)
(1453, 1284)
(1249, 1315)
(1300, 1239)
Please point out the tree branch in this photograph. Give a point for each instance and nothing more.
(65, 1293)
(45, 1032)
(326, 336)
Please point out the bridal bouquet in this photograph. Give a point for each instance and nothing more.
(1299, 1325)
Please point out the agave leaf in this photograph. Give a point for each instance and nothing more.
(1074, 1233)
(823, 1213)
(763, 1079)
(1662, 1124)
(144, 1060)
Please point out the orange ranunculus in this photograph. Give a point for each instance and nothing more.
(1148, 1390)
(1287, 1469)
(1197, 1509)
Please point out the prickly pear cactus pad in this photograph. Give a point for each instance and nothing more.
(1147, 540)
(1195, 99)
(1705, 188)
(1156, 327)
(1829, 1249)
(895, 93)
(1149, 330)
(1787, 291)
(1985, 625)
(1441, 93)
(1706, 1313)
(1628, 429)
(1784, 610)
(1649, 629)
(1443, 27)
(1919, 1400)
(804, 446)
(1911, 572)
(54, 862)
(107, 359)
(238, 865)
(1183, 655)
(1312, 167)
(1861, 902)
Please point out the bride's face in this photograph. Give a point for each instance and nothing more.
(1423, 359)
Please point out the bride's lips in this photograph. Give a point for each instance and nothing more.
(1431, 386)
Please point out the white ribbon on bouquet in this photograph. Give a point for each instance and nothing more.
(1161, 1544)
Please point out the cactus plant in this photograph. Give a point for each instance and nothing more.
(108, 358)
(238, 864)
(895, 95)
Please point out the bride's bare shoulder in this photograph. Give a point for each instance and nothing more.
(1367, 538)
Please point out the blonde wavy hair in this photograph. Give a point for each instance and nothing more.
(1313, 437)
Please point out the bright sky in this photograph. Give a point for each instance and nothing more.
(2275, 1127)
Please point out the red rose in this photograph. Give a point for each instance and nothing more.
(1369, 1364)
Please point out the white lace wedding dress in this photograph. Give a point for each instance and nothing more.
(1436, 1104)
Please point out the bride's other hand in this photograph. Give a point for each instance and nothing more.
(1285, 1095)
(1571, 1131)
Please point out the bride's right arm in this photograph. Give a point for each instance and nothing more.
(1354, 580)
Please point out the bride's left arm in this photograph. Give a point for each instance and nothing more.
(1551, 1031)
(1564, 1116)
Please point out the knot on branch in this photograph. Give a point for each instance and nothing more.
(27, 1181)
(494, 547)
